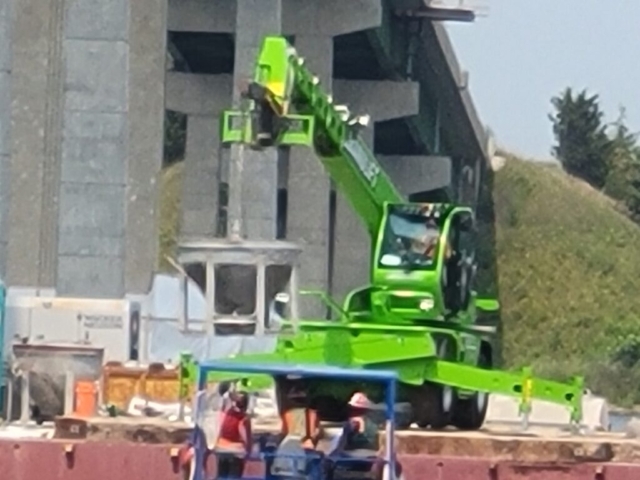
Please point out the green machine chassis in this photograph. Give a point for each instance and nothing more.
(409, 318)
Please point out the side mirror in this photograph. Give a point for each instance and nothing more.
(389, 260)
(488, 304)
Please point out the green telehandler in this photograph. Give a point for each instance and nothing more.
(419, 313)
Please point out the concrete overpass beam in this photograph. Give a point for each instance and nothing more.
(202, 16)
(202, 98)
(259, 175)
(383, 100)
(310, 17)
(330, 17)
(419, 173)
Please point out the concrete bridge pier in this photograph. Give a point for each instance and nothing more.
(314, 28)
(85, 142)
(6, 9)
(258, 171)
(202, 98)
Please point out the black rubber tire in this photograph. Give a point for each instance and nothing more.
(439, 417)
(467, 415)
(417, 396)
(428, 399)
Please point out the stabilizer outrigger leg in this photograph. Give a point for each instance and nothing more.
(522, 385)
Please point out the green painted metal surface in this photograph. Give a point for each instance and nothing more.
(418, 315)
(345, 156)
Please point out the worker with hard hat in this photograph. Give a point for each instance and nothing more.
(234, 444)
(360, 436)
(231, 450)
(361, 433)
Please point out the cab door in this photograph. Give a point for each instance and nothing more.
(459, 268)
(467, 257)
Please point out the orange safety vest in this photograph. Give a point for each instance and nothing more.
(303, 423)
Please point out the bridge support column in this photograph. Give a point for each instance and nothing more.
(86, 144)
(206, 164)
(383, 100)
(309, 190)
(6, 8)
(259, 171)
(310, 217)
(201, 98)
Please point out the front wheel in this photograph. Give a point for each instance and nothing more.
(469, 413)
(432, 403)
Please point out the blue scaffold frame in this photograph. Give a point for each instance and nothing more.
(388, 378)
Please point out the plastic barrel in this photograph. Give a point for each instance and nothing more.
(86, 398)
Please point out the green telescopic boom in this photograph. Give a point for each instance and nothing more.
(285, 82)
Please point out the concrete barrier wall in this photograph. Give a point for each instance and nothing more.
(595, 412)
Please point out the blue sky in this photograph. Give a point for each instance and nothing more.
(526, 51)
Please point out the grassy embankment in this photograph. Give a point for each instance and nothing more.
(569, 278)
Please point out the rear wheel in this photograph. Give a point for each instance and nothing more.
(469, 413)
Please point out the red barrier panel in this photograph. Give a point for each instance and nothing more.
(49, 460)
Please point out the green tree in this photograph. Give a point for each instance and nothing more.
(623, 178)
(583, 146)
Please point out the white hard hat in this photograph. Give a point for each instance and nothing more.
(360, 400)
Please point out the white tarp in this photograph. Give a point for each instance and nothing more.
(165, 338)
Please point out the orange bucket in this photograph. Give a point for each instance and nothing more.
(86, 399)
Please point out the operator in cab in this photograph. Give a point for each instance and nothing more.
(425, 246)
(234, 440)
